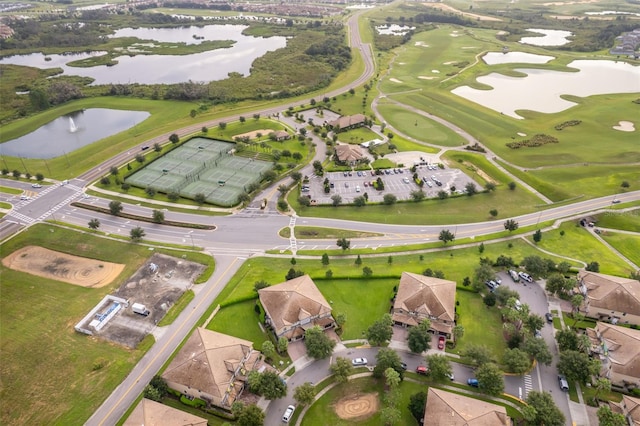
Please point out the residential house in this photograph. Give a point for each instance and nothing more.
(609, 298)
(213, 367)
(294, 306)
(451, 409)
(618, 349)
(629, 407)
(347, 122)
(348, 154)
(281, 135)
(420, 297)
(151, 413)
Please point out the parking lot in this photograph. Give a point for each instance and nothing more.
(398, 182)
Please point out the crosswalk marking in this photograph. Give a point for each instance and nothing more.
(528, 384)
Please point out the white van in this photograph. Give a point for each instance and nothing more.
(358, 188)
(288, 413)
(514, 276)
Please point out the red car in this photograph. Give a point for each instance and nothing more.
(441, 341)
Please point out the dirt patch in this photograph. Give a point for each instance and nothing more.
(357, 407)
(480, 173)
(63, 267)
(254, 134)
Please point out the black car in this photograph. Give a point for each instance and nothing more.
(403, 365)
(549, 317)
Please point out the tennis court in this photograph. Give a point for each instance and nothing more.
(202, 166)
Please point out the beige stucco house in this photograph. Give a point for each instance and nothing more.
(349, 154)
(151, 413)
(610, 298)
(618, 348)
(293, 306)
(213, 367)
(629, 407)
(450, 409)
(420, 297)
(346, 122)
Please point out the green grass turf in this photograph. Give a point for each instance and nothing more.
(628, 245)
(358, 135)
(12, 191)
(578, 244)
(239, 320)
(418, 126)
(479, 323)
(44, 359)
(626, 221)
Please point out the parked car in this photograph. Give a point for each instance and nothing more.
(36, 185)
(451, 376)
(359, 173)
(357, 188)
(514, 276)
(549, 317)
(538, 334)
(288, 413)
(429, 184)
(421, 369)
(403, 365)
(359, 361)
(441, 341)
(525, 276)
(562, 382)
(473, 382)
(405, 180)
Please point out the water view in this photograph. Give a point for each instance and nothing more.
(549, 37)
(394, 29)
(494, 58)
(167, 69)
(72, 131)
(540, 90)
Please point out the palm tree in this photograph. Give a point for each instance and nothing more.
(94, 224)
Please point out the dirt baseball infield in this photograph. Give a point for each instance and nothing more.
(357, 407)
(63, 267)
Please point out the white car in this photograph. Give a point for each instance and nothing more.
(36, 185)
(288, 413)
(359, 361)
(429, 184)
(525, 276)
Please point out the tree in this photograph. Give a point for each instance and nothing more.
(417, 404)
(268, 349)
(417, 195)
(490, 300)
(390, 416)
(446, 236)
(94, 224)
(418, 337)
(305, 393)
(512, 185)
(606, 417)
(490, 186)
(624, 184)
(318, 344)
(336, 200)
(601, 384)
(343, 243)
(593, 267)
(303, 200)
(341, 369)
(199, 198)
(535, 266)
(387, 358)
(458, 332)
(272, 386)
(439, 366)
(174, 138)
(158, 216)
(293, 273)
(249, 415)
(391, 378)
(39, 177)
(545, 412)
(367, 272)
(389, 199)
(114, 171)
(115, 207)
(380, 331)
(558, 284)
(16, 173)
(471, 189)
(510, 225)
(282, 189)
(137, 234)
(567, 340)
(478, 354)
(481, 248)
(576, 302)
(577, 366)
(482, 274)
(538, 350)
(516, 360)
(341, 319)
(358, 260)
(325, 259)
(259, 285)
(537, 236)
(534, 322)
(283, 344)
(443, 195)
(490, 380)
(493, 212)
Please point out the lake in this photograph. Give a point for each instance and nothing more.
(540, 90)
(549, 37)
(72, 131)
(166, 69)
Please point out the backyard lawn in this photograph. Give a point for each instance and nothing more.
(628, 245)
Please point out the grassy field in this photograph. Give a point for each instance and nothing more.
(626, 244)
(317, 232)
(626, 221)
(578, 244)
(239, 320)
(12, 191)
(64, 375)
(479, 322)
(358, 135)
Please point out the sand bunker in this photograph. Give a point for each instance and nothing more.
(435, 71)
(521, 134)
(625, 126)
(358, 406)
(64, 267)
(395, 80)
(419, 43)
(254, 134)
(449, 63)
(424, 77)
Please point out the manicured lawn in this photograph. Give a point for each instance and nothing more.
(358, 135)
(628, 245)
(8, 190)
(317, 232)
(363, 301)
(239, 320)
(578, 244)
(63, 374)
(482, 325)
(626, 221)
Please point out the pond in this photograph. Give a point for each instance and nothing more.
(394, 29)
(540, 90)
(167, 69)
(494, 58)
(549, 37)
(72, 131)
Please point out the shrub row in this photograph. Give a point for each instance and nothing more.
(567, 124)
(537, 140)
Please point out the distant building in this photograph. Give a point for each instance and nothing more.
(420, 297)
(348, 154)
(629, 407)
(151, 413)
(347, 122)
(618, 349)
(294, 306)
(610, 298)
(5, 31)
(627, 44)
(451, 409)
(281, 135)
